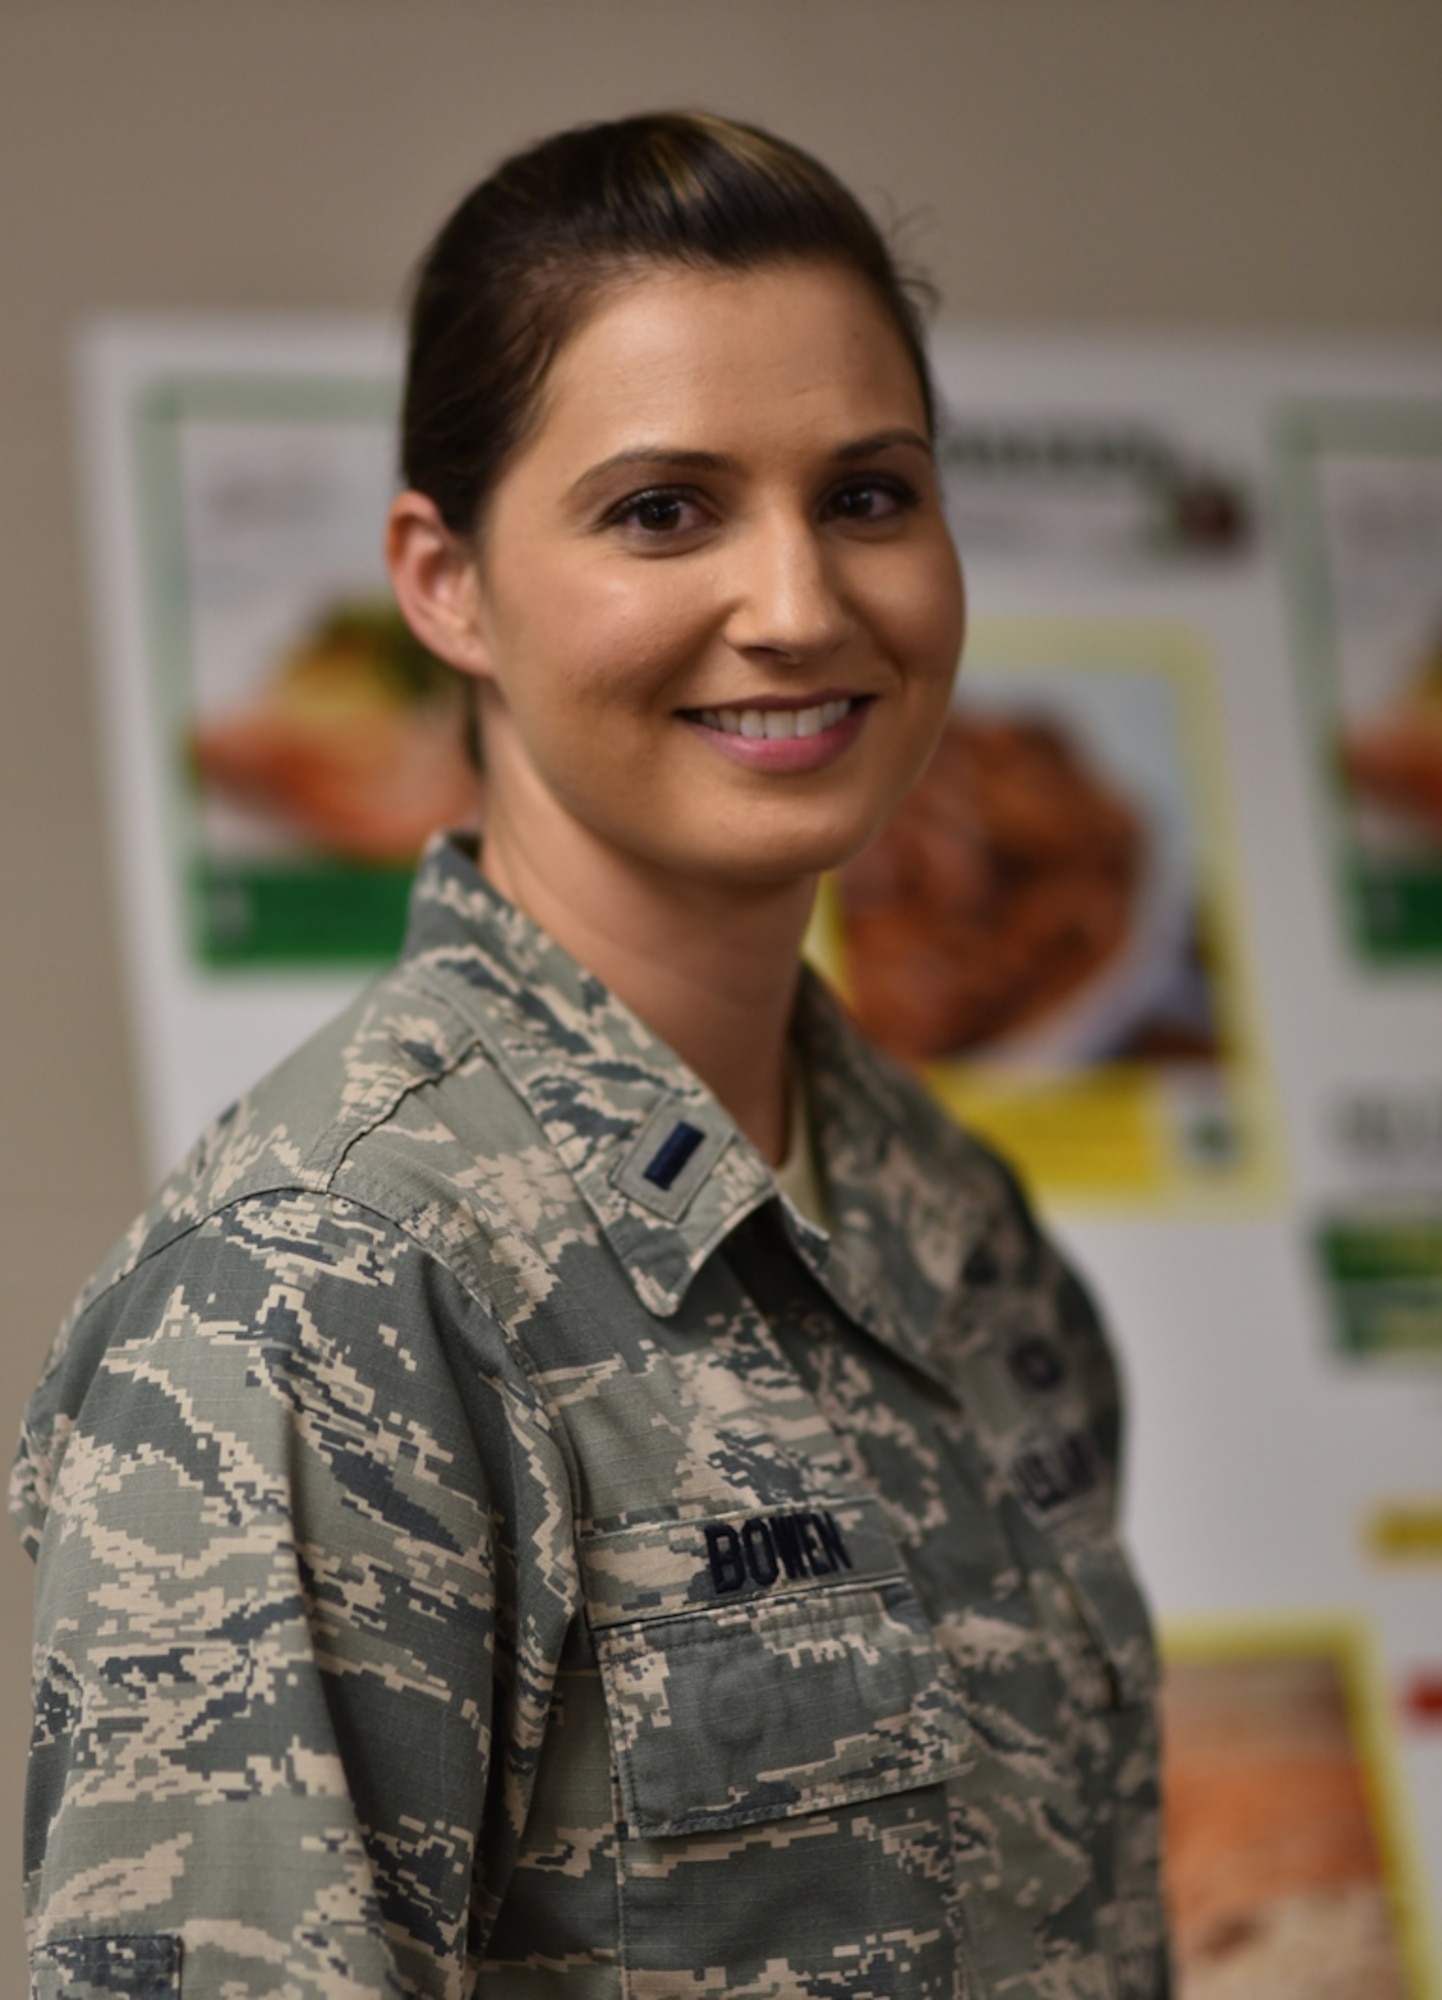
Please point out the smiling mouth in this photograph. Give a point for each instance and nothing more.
(776, 724)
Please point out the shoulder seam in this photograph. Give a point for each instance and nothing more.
(295, 1185)
(326, 1157)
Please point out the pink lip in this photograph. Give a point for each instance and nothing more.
(784, 754)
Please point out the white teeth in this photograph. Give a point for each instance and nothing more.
(775, 724)
(811, 721)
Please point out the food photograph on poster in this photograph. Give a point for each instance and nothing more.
(1292, 1868)
(1048, 927)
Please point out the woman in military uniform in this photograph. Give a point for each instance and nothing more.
(584, 1480)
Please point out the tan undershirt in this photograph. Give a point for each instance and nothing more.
(796, 1176)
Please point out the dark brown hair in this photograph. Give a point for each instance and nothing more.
(514, 271)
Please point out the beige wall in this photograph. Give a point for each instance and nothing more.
(1241, 164)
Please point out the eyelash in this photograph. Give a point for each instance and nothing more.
(900, 491)
(626, 513)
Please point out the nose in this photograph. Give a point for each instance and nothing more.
(788, 601)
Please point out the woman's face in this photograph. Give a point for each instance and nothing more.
(715, 608)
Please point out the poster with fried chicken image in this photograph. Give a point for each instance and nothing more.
(1049, 928)
(1362, 494)
(1291, 1863)
(313, 742)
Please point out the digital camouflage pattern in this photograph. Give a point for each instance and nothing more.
(488, 1538)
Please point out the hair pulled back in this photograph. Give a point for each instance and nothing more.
(528, 252)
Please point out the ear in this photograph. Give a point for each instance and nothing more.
(433, 573)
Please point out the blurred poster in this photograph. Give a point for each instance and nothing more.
(1380, 1266)
(1082, 491)
(311, 741)
(274, 742)
(1364, 492)
(1408, 1531)
(1291, 1865)
(1049, 927)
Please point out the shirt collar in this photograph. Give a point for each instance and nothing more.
(663, 1168)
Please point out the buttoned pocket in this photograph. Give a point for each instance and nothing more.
(805, 1678)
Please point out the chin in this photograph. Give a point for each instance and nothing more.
(755, 844)
(776, 863)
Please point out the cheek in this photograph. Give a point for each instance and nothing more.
(924, 616)
(617, 642)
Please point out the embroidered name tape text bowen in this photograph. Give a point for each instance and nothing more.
(768, 1545)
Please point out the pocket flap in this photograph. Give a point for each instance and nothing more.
(777, 1706)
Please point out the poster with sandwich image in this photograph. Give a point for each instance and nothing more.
(1292, 1862)
(1362, 491)
(1049, 928)
(312, 742)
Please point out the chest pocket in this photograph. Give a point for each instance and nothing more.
(764, 1666)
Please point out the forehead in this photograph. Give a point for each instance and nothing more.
(784, 351)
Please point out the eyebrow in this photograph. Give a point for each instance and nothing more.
(880, 441)
(713, 461)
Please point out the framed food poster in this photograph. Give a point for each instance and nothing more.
(1049, 928)
(1291, 1857)
(310, 741)
(1363, 503)
(279, 745)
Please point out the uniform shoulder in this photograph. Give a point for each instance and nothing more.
(336, 1306)
(295, 1127)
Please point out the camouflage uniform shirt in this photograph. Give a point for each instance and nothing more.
(488, 1540)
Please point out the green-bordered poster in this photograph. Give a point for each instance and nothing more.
(1363, 493)
(311, 742)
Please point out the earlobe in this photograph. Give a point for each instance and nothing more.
(433, 574)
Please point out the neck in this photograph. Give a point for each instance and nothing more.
(712, 969)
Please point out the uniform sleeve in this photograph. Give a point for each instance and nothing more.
(304, 1577)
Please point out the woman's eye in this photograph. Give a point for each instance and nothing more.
(871, 500)
(659, 513)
